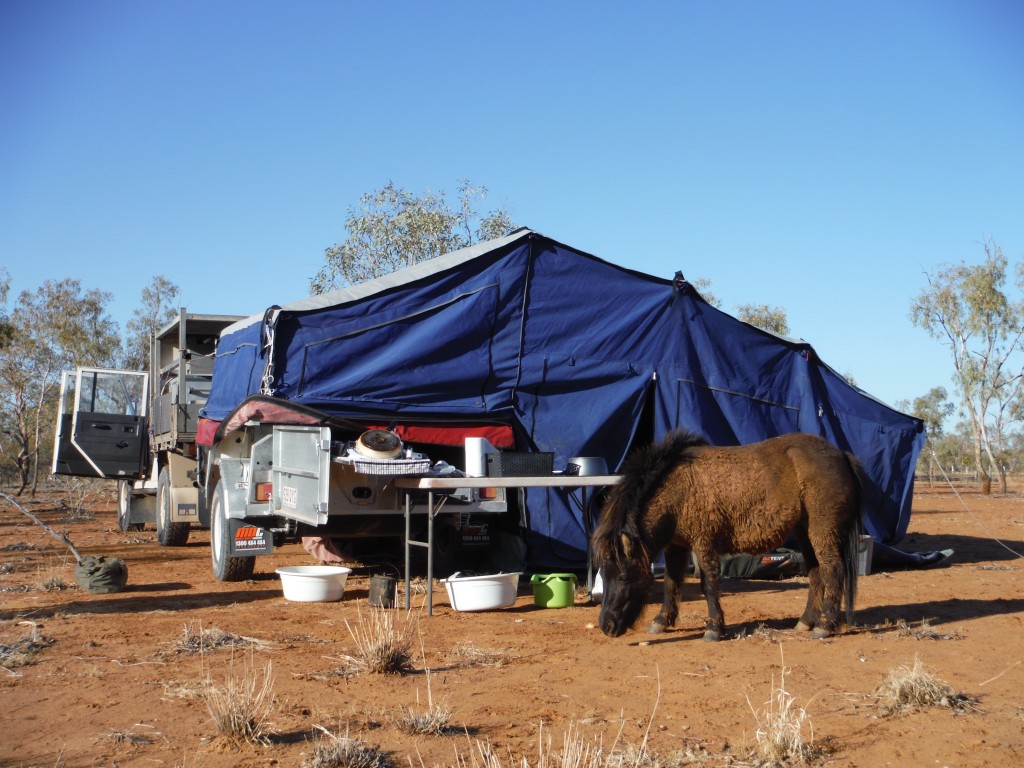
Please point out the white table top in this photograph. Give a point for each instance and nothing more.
(533, 481)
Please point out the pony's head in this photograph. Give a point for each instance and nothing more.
(624, 541)
(626, 575)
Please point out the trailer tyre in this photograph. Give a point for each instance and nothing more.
(168, 534)
(225, 567)
(124, 507)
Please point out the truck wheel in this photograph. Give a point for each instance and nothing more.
(225, 568)
(124, 507)
(168, 534)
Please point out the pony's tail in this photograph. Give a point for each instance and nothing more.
(854, 530)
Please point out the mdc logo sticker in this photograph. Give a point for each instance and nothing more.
(249, 538)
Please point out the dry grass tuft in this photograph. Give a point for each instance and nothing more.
(241, 706)
(418, 586)
(193, 641)
(175, 689)
(129, 738)
(761, 632)
(21, 546)
(383, 642)
(435, 720)
(21, 652)
(49, 578)
(924, 631)
(914, 687)
(471, 655)
(576, 751)
(54, 584)
(432, 721)
(330, 751)
(781, 728)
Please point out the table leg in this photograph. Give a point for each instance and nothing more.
(430, 553)
(408, 559)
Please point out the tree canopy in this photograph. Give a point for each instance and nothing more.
(763, 316)
(967, 308)
(159, 306)
(53, 329)
(393, 229)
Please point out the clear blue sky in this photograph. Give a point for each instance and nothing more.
(815, 156)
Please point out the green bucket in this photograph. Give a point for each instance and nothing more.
(554, 590)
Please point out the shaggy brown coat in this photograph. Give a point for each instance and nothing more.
(682, 495)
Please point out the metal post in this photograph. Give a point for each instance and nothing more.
(430, 553)
(408, 514)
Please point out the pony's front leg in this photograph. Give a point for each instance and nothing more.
(676, 561)
(710, 575)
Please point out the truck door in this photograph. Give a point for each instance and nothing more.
(101, 424)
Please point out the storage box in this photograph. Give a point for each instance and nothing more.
(512, 464)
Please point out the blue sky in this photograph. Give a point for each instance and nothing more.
(820, 157)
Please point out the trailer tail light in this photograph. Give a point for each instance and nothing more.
(488, 493)
(264, 491)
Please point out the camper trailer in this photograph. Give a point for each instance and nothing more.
(536, 347)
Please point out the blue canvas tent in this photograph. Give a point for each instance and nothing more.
(579, 356)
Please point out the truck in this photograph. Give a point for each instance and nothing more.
(272, 473)
(138, 428)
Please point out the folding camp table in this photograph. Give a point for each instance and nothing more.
(433, 485)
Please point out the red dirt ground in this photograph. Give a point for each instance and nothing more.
(113, 687)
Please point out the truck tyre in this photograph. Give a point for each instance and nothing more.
(168, 534)
(124, 507)
(225, 567)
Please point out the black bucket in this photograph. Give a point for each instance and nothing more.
(383, 591)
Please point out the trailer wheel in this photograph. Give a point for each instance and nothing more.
(225, 567)
(124, 507)
(168, 534)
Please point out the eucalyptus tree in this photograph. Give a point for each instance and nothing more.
(159, 306)
(393, 229)
(57, 327)
(763, 316)
(933, 409)
(967, 308)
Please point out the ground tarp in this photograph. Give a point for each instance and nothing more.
(579, 356)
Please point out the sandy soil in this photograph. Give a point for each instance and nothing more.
(110, 682)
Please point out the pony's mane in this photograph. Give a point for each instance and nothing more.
(643, 473)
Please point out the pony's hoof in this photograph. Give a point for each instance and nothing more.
(656, 628)
(820, 633)
(712, 636)
(802, 627)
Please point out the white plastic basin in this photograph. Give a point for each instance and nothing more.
(313, 583)
(482, 593)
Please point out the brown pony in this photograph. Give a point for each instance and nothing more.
(682, 495)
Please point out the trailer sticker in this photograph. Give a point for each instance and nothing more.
(290, 497)
(249, 537)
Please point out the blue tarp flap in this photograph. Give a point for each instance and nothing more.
(572, 351)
